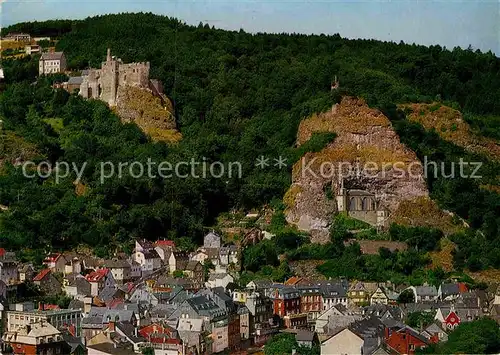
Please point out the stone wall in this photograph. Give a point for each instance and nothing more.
(105, 83)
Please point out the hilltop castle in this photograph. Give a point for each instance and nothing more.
(104, 83)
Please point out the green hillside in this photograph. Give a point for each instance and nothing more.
(237, 96)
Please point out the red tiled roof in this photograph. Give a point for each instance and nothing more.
(158, 334)
(115, 302)
(293, 280)
(52, 257)
(167, 243)
(96, 276)
(48, 307)
(462, 288)
(2, 251)
(41, 275)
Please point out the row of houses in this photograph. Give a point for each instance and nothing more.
(172, 319)
(163, 298)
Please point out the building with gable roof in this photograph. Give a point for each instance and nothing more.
(162, 337)
(47, 282)
(405, 340)
(120, 269)
(55, 262)
(358, 294)
(424, 293)
(36, 338)
(100, 279)
(51, 63)
(212, 240)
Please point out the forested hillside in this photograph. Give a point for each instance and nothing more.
(237, 96)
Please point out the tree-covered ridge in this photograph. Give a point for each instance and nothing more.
(237, 96)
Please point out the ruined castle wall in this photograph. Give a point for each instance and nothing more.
(109, 81)
(91, 85)
(105, 83)
(134, 74)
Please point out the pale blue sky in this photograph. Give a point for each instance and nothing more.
(448, 23)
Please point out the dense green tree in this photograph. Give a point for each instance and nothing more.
(477, 337)
(407, 296)
(238, 96)
(282, 343)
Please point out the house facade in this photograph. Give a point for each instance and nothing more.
(56, 262)
(47, 282)
(52, 63)
(358, 294)
(379, 297)
(344, 342)
(212, 240)
(405, 340)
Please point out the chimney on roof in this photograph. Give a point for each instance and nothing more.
(108, 57)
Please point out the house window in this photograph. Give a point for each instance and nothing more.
(412, 346)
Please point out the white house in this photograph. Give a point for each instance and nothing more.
(344, 342)
(219, 280)
(100, 279)
(146, 256)
(120, 269)
(200, 256)
(229, 255)
(51, 63)
(379, 297)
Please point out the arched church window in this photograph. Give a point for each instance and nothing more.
(352, 204)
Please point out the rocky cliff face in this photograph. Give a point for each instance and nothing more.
(153, 116)
(366, 155)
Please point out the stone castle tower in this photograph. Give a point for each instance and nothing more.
(105, 83)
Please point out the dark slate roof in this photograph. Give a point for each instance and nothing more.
(129, 331)
(162, 310)
(75, 80)
(304, 335)
(52, 56)
(118, 315)
(107, 294)
(242, 309)
(333, 291)
(380, 310)
(205, 307)
(76, 304)
(426, 291)
(73, 342)
(228, 250)
(368, 327)
(92, 322)
(117, 263)
(262, 283)
(152, 254)
(192, 265)
(145, 244)
(450, 289)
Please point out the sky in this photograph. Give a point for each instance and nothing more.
(448, 23)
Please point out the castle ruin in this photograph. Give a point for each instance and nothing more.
(104, 83)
